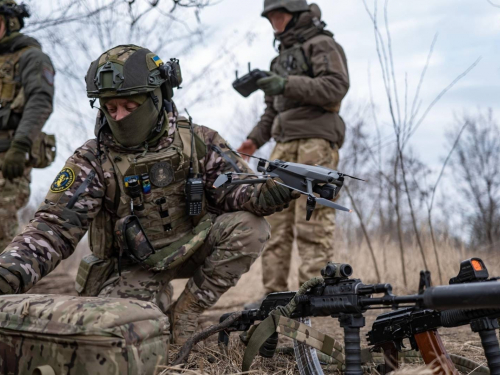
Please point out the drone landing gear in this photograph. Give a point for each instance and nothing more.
(311, 205)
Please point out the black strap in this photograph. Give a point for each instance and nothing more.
(81, 190)
(226, 158)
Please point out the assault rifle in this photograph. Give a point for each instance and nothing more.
(339, 296)
(419, 327)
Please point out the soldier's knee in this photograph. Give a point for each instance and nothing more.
(243, 230)
(259, 230)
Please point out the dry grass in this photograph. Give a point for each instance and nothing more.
(210, 359)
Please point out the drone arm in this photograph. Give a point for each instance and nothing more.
(248, 182)
(309, 187)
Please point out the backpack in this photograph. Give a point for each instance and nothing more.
(66, 335)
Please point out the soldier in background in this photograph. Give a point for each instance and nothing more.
(303, 93)
(144, 191)
(26, 97)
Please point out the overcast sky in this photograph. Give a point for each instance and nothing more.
(467, 30)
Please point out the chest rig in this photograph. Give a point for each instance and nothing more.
(12, 97)
(290, 62)
(161, 206)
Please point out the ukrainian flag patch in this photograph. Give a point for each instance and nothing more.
(157, 60)
(63, 181)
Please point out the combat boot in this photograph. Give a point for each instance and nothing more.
(184, 317)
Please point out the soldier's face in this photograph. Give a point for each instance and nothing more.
(121, 108)
(279, 20)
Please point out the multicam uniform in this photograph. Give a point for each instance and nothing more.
(304, 120)
(234, 242)
(213, 249)
(27, 90)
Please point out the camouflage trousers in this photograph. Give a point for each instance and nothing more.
(314, 238)
(235, 241)
(13, 196)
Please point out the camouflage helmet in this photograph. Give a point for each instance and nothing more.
(11, 10)
(128, 70)
(291, 6)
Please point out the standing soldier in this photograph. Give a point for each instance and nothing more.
(144, 191)
(303, 92)
(26, 95)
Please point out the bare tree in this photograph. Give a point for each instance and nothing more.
(405, 118)
(476, 174)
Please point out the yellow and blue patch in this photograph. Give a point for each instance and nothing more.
(63, 180)
(157, 60)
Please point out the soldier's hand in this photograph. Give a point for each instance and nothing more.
(274, 197)
(272, 85)
(248, 147)
(14, 160)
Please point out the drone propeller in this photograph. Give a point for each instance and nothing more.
(221, 180)
(354, 178)
(227, 178)
(250, 156)
(327, 203)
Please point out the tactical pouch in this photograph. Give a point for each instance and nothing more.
(50, 334)
(132, 239)
(92, 274)
(43, 151)
(181, 250)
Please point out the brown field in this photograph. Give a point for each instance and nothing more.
(209, 359)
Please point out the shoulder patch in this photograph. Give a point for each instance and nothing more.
(63, 180)
(48, 75)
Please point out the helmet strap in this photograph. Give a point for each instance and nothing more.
(154, 98)
(103, 122)
(7, 26)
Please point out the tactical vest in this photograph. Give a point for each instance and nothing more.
(173, 233)
(294, 62)
(12, 102)
(11, 91)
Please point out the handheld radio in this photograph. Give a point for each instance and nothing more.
(194, 188)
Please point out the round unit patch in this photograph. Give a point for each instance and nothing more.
(63, 180)
(162, 174)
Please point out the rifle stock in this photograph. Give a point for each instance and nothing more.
(434, 353)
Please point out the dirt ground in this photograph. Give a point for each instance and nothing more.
(209, 359)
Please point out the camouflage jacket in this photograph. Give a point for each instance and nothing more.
(35, 74)
(56, 229)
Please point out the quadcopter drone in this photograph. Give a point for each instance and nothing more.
(306, 179)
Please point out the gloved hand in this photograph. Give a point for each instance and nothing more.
(271, 197)
(14, 160)
(272, 85)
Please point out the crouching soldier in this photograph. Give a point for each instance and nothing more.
(144, 190)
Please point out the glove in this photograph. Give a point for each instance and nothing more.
(271, 198)
(272, 85)
(14, 160)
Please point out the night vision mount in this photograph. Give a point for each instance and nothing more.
(306, 179)
(171, 71)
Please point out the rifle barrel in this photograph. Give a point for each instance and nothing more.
(483, 295)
